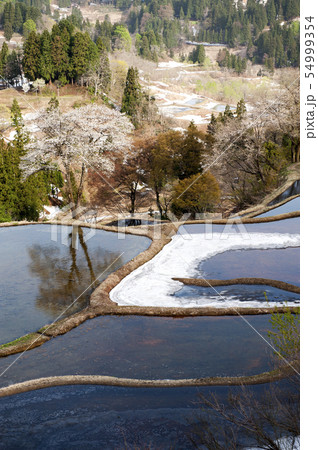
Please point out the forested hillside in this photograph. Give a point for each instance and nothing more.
(103, 60)
(268, 33)
(264, 29)
(21, 16)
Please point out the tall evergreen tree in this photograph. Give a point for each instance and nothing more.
(189, 161)
(227, 115)
(84, 52)
(241, 109)
(60, 60)
(13, 66)
(21, 137)
(9, 181)
(8, 31)
(32, 56)
(3, 59)
(132, 96)
(19, 199)
(80, 57)
(18, 19)
(271, 12)
(46, 63)
(212, 126)
(201, 55)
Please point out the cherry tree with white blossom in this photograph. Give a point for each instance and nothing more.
(92, 136)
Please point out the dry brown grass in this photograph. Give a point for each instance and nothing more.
(98, 12)
(16, 41)
(69, 97)
(32, 102)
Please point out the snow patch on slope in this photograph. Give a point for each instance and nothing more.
(152, 284)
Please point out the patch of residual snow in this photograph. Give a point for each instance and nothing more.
(172, 64)
(50, 212)
(285, 443)
(152, 285)
(198, 120)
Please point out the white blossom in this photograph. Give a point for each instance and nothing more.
(93, 135)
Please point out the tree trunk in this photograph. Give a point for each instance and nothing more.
(133, 190)
(158, 201)
(80, 190)
(75, 202)
(69, 185)
(88, 260)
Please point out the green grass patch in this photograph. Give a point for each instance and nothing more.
(20, 340)
(295, 26)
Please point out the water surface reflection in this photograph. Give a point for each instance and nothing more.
(294, 189)
(291, 226)
(101, 417)
(47, 273)
(291, 206)
(150, 348)
(276, 264)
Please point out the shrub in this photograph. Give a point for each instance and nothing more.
(199, 193)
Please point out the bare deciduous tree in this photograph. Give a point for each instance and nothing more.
(267, 420)
(285, 112)
(98, 75)
(251, 153)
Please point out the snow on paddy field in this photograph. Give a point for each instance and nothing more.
(176, 104)
(198, 120)
(31, 115)
(210, 105)
(288, 443)
(172, 64)
(152, 284)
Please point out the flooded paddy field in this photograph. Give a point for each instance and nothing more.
(46, 275)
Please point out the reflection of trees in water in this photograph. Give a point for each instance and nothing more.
(63, 276)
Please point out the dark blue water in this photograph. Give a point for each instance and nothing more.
(129, 418)
(243, 293)
(106, 417)
(278, 264)
(294, 189)
(100, 417)
(42, 273)
(291, 226)
(150, 348)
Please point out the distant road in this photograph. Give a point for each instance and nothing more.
(205, 44)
